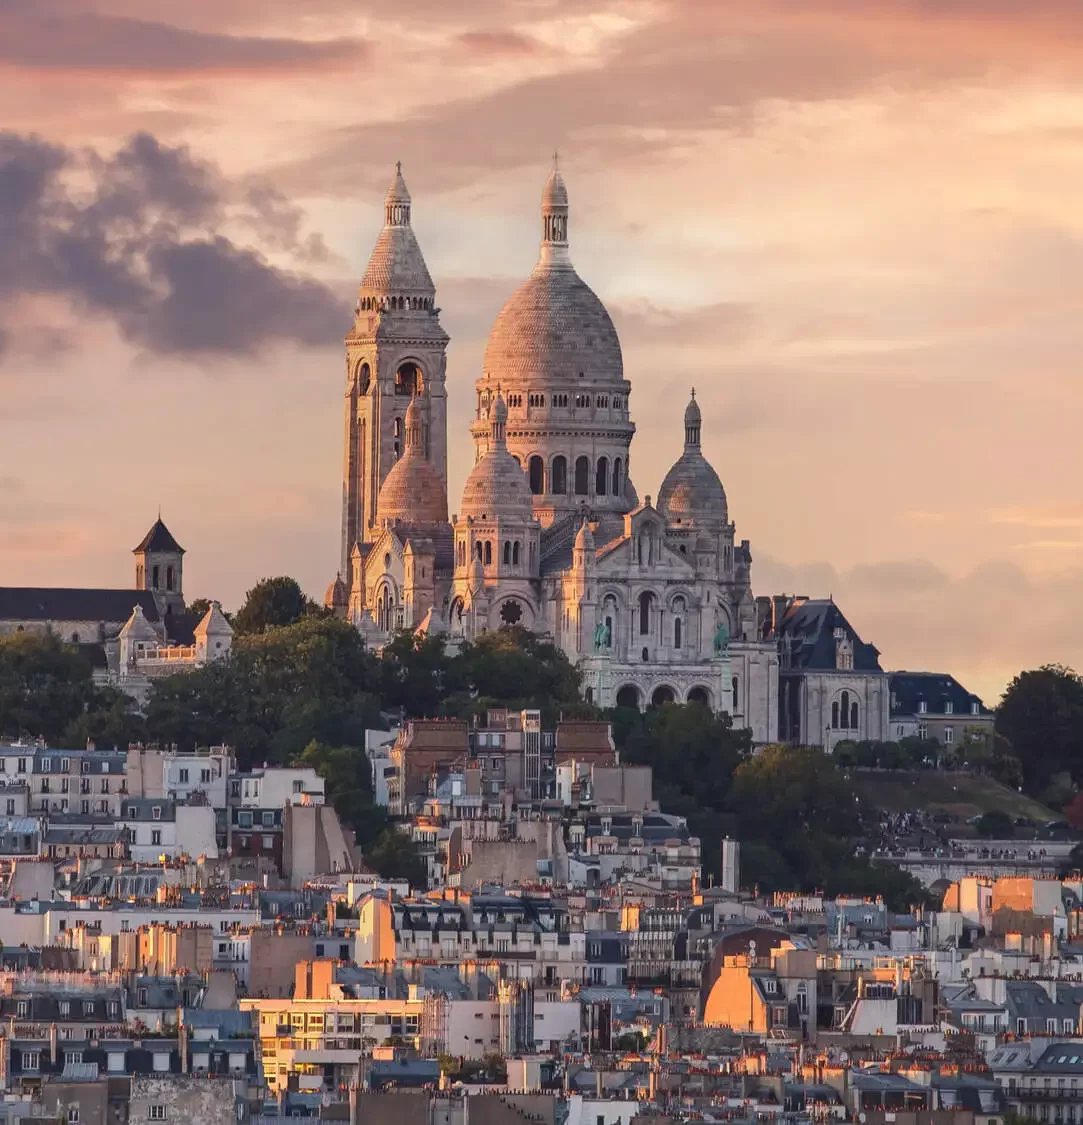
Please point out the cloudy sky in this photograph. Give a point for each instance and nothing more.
(854, 226)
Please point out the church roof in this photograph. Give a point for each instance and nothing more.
(412, 492)
(553, 327)
(396, 262)
(138, 628)
(497, 485)
(159, 538)
(214, 623)
(47, 603)
(810, 625)
(692, 494)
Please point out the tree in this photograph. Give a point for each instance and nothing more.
(198, 607)
(278, 691)
(393, 855)
(271, 604)
(46, 686)
(996, 824)
(1041, 716)
(348, 788)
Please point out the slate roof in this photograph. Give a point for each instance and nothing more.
(936, 690)
(810, 626)
(159, 538)
(61, 603)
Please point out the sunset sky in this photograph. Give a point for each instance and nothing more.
(856, 226)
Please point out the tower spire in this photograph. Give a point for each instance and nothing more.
(554, 247)
(692, 422)
(397, 201)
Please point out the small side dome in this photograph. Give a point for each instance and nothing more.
(412, 493)
(497, 487)
(692, 495)
(584, 538)
(337, 595)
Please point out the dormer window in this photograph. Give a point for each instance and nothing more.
(949, 707)
(156, 812)
(923, 707)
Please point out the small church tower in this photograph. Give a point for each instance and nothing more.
(159, 563)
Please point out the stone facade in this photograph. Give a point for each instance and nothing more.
(653, 601)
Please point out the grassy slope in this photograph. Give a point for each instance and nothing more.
(960, 795)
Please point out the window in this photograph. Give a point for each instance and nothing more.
(617, 482)
(31, 1060)
(156, 837)
(23, 1007)
(22, 765)
(156, 1113)
(922, 707)
(488, 552)
(677, 632)
(949, 707)
(142, 996)
(84, 808)
(507, 552)
(268, 819)
(835, 715)
(645, 600)
(131, 812)
(114, 1008)
(268, 841)
(298, 786)
(73, 1113)
(11, 806)
(923, 731)
(105, 785)
(844, 710)
(949, 736)
(73, 1058)
(582, 476)
(853, 716)
(154, 578)
(536, 473)
(601, 476)
(46, 765)
(559, 475)
(204, 776)
(156, 812)
(88, 1007)
(161, 1061)
(65, 765)
(65, 1007)
(169, 577)
(182, 777)
(736, 686)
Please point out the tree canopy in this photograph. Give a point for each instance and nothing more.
(1041, 716)
(273, 603)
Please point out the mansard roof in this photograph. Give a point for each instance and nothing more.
(809, 626)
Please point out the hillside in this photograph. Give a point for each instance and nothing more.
(959, 795)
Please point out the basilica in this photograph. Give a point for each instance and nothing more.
(651, 597)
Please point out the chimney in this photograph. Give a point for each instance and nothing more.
(598, 1084)
(5, 1060)
(182, 1040)
(52, 1043)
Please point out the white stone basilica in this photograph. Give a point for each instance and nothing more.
(653, 601)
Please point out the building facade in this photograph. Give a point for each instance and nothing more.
(652, 599)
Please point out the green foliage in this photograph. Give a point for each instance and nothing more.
(279, 691)
(631, 1041)
(348, 777)
(1041, 716)
(271, 604)
(47, 690)
(198, 606)
(393, 855)
(996, 825)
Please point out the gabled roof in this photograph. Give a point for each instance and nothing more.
(935, 690)
(61, 603)
(809, 625)
(159, 538)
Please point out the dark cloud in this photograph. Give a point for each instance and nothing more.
(36, 34)
(142, 247)
(494, 44)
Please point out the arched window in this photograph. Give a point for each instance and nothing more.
(844, 709)
(618, 482)
(488, 551)
(645, 601)
(676, 632)
(477, 549)
(139, 577)
(75, 638)
(736, 688)
(835, 715)
(364, 378)
(507, 552)
(515, 553)
(398, 438)
(582, 476)
(408, 380)
(601, 476)
(559, 475)
(537, 475)
(853, 716)
(154, 578)
(169, 575)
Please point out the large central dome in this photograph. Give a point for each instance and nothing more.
(553, 327)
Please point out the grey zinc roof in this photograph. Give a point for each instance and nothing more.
(810, 627)
(63, 603)
(935, 689)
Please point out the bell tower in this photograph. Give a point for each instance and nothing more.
(396, 349)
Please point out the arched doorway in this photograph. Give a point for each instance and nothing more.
(662, 695)
(700, 695)
(628, 696)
